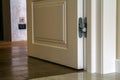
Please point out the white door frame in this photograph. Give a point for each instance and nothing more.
(101, 40)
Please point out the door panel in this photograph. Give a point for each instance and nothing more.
(51, 15)
(53, 31)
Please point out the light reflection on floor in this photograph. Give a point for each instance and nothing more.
(82, 76)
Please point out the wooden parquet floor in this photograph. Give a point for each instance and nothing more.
(16, 65)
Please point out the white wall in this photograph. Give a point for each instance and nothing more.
(109, 35)
(101, 48)
(18, 9)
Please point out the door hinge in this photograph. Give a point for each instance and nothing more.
(82, 27)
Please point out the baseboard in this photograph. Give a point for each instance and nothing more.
(118, 66)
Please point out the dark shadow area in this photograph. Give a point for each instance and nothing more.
(1, 22)
(41, 68)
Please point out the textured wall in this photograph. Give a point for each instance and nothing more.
(18, 9)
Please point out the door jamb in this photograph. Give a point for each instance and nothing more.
(100, 55)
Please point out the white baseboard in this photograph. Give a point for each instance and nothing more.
(118, 66)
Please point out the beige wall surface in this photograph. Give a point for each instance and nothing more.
(118, 29)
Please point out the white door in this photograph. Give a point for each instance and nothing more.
(53, 31)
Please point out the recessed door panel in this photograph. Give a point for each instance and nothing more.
(49, 19)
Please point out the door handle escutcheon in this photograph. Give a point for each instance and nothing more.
(82, 27)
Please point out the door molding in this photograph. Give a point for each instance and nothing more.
(6, 20)
(101, 41)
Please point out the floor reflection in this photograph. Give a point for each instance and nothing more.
(19, 62)
(82, 76)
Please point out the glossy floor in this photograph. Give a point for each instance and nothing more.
(16, 65)
(82, 76)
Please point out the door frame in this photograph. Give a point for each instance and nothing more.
(101, 41)
(6, 20)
